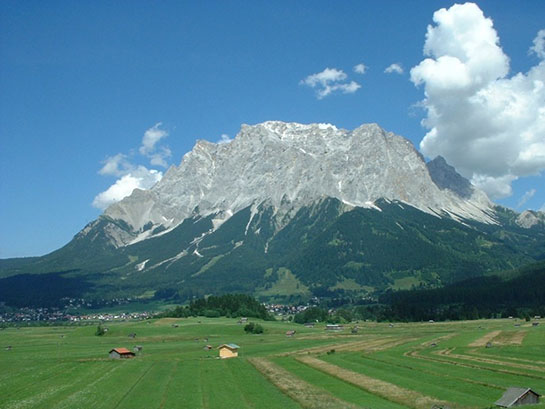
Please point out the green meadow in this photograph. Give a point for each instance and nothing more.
(383, 366)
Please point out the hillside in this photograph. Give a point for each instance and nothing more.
(285, 212)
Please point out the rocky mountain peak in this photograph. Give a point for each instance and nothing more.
(446, 177)
(289, 165)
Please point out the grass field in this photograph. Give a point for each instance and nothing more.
(382, 367)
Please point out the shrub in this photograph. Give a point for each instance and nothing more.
(100, 331)
(252, 328)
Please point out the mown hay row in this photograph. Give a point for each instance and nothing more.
(485, 339)
(363, 346)
(377, 387)
(415, 354)
(307, 395)
(510, 338)
(488, 361)
(478, 352)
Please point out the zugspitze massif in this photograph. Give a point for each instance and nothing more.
(288, 166)
(288, 211)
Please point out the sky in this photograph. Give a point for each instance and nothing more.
(97, 98)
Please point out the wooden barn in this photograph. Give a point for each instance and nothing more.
(517, 397)
(228, 351)
(118, 353)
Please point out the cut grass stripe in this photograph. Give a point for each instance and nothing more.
(307, 395)
(338, 387)
(378, 387)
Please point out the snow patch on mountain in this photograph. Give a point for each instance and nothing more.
(289, 166)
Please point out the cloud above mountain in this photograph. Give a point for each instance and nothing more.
(130, 175)
(332, 80)
(396, 68)
(489, 125)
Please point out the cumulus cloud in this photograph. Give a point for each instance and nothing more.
(329, 81)
(360, 68)
(224, 139)
(525, 197)
(539, 45)
(491, 127)
(158, 155)
(130, 175)
(394, 68)
(117, 165)
(139, 178)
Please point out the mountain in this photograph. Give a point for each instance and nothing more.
(291, 210)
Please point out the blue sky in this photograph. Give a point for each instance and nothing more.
(82, 82)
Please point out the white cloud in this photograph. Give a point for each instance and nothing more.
(525, 197)
(330, 80)
(394, 68)
(158, 155)
(151, 137)
(130, 175)
(139, 178)
(360, 68)
(490, 127)
(496, 187)
(325, 77)
(117, 165)
(539, 45)
(224, 139)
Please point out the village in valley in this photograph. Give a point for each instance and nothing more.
(460, 364)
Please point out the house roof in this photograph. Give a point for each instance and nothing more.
(230, 346)
(121, 351)
(512, 394)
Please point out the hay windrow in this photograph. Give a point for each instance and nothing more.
(485, 339)
(307, 395)
(377, 387)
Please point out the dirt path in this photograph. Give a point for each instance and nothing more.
(307, 395)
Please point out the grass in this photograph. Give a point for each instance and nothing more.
(382, 367)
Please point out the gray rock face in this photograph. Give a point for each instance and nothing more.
(290, 165)
(446, 177)
(529, 219)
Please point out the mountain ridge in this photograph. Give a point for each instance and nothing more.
(288, 211)
(290, 165)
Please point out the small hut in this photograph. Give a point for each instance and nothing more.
(228, 351)
(517, 397)
(121, 353)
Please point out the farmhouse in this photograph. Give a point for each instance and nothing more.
(517, 396)
(228, 351)
(118, 353)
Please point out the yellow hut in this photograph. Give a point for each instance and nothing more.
(228, 351)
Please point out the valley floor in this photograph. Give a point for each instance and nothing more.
(384, 366)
